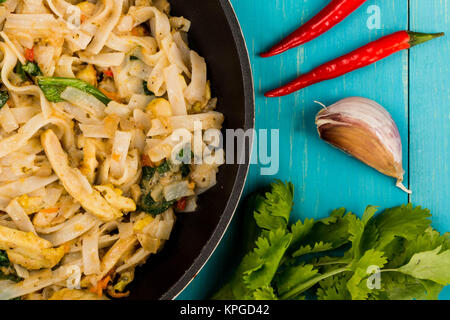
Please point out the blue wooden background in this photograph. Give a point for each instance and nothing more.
(413, 86)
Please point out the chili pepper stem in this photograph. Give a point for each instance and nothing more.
(417, 38)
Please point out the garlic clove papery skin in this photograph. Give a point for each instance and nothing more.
(365, 130)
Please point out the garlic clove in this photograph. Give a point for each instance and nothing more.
(365, 130)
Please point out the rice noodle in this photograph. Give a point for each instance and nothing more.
(73, 228)
(88, 82)
(20, 218)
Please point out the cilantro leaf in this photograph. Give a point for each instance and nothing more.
(334, 288)
(405, 221)
(429, 265)
(357, 285)
(295, 280)
(264, 293)
(258, 267)
(273, 213)
(398, 286)
(300, 230)
(356, 228)
(334, 258)
(427, 241)
(270, 251)
(333, 230)
(318, 247)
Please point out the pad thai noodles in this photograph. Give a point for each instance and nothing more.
(100, 102)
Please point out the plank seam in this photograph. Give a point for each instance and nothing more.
(409, 106)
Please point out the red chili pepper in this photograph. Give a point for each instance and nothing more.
(29, 54)
(330, 16)
(181, 204)
(108, 73)
(357, 59)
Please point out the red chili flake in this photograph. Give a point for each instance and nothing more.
(108, 73)
(181, 204)
(29, 54)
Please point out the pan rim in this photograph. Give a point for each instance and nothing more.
(241, 177)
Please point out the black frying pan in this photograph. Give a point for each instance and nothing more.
(216, 35)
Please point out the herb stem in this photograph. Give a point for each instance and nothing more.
(308, 284)
(332, 263)
(389, 270)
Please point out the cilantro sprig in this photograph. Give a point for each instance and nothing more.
(331, 258)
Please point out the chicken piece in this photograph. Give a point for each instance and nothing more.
(72, 180)
(90, 162)
(115, 198)
(28, 250)
(121, 248)
(74, 294)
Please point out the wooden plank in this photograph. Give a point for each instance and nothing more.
(430, 113)
(324, 177)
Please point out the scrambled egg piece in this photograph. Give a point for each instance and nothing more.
(30, 204)
(74, 294)
(28, 250)
(88, 74)
(142, 223)
(149, 243)
(115, 198)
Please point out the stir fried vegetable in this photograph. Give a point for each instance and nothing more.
(164, 167)
(156, 199)
(150, 206)
(4, 97)
(4, 261)
(28, 70)
(146, 91)
(54, 86)
(6, 272)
